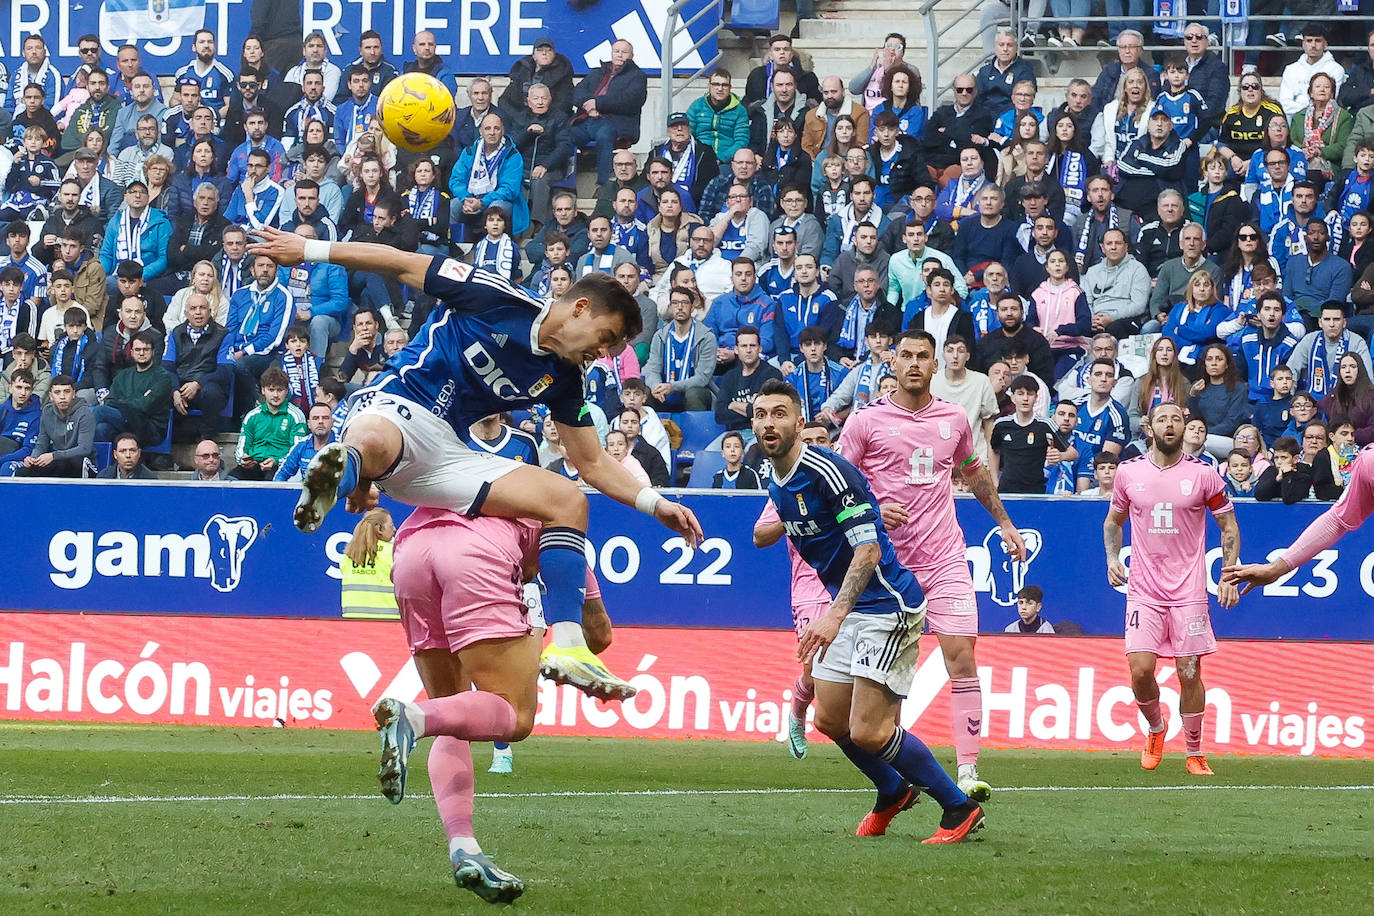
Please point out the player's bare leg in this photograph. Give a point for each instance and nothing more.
(1146, 690)
(500, 707)
(966, 711)
(1192, 699)
(560, 506)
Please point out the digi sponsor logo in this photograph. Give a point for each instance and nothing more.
(216, 553)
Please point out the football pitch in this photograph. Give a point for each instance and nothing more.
(110, 819)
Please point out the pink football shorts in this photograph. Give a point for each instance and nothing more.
(460, 584)
(1171, 631)
(946, 616)
(804, 613)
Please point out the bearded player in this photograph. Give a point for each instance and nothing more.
(809, 600)
(863, 649)
(1167, 494)
(908, 445)
(1349, 512)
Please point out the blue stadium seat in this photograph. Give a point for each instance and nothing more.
(698, 427)
(104, 454)
(704, 468)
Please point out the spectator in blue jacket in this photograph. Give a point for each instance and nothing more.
(320, 422)
(745, 304)
(136, 233)
(255, 126)
(257, 200)
(19, 416)
(258, 316)
(489, 173)
(1262, 349)
(320, 296)
(1192, 323)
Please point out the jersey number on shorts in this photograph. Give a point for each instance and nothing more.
(1134, 620)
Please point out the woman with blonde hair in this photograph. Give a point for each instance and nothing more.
(1122, 119)
(1193, 322)
(204, 279)
(366, 568)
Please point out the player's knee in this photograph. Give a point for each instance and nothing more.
(871, 736)
(833, 727)
(566, 504)
(524, 723)
(1189, 669)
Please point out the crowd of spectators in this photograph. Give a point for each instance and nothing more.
(789, 232)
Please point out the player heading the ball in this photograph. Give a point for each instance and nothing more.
(489, 348)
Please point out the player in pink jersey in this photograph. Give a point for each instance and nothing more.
(1167, 494)
(458, 586)
(1350, 511)
(810, 600)
(908, 445)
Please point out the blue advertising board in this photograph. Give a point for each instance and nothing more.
(478, 37)
(173, 548)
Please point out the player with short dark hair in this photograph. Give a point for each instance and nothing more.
(909, 445)
(490, 348)
(828, 513)
(1166, 494)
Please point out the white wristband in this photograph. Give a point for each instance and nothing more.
(317, 251)
(647, 500)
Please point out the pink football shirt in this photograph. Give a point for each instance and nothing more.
(806, 585)
(1167, 509)
(908, 458)
(1349, 512)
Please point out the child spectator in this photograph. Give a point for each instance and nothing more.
(1302, 410)
(1104, 474)
(1240, 474)
(735, 475)
(650, 459)
(618, 447)
(860, 384)
(24, 355)
(1195, 440)
(301, 367)
(33, 180)
(496, 252)
(61, 287)
(269, 430)
(1331, 466)
(555, 255)
(1288, 478)
(17, 315)
(1021, 442)
(634, 395)
(19, 419)
(1186, 108)
(79, 356)
(1029, 602)
(1272, 414)
(818, 376)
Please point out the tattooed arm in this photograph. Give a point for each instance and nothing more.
(982, 486)
(1227, 592)
(821, 632)
(1111, 538)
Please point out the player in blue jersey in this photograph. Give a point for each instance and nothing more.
(489, 348)
(863, 650)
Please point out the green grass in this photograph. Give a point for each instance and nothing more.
(1165, 852)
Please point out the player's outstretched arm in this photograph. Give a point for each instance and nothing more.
(288, 250)
(981, 485)
(821, 632)
(1227, 594)
(605, 474)
(1111, 539)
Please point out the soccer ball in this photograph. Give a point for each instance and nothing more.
(416, 111)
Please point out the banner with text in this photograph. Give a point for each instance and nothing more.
(478, 37)
(159, 548)
(1038, 691)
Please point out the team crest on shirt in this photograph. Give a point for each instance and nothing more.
(540, 385)
(1185, 487)
(801, 504)
(944, 429)
(1030, 438)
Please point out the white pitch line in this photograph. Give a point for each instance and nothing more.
(642, 793)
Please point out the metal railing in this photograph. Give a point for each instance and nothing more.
(938, 56)
(677, 26)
